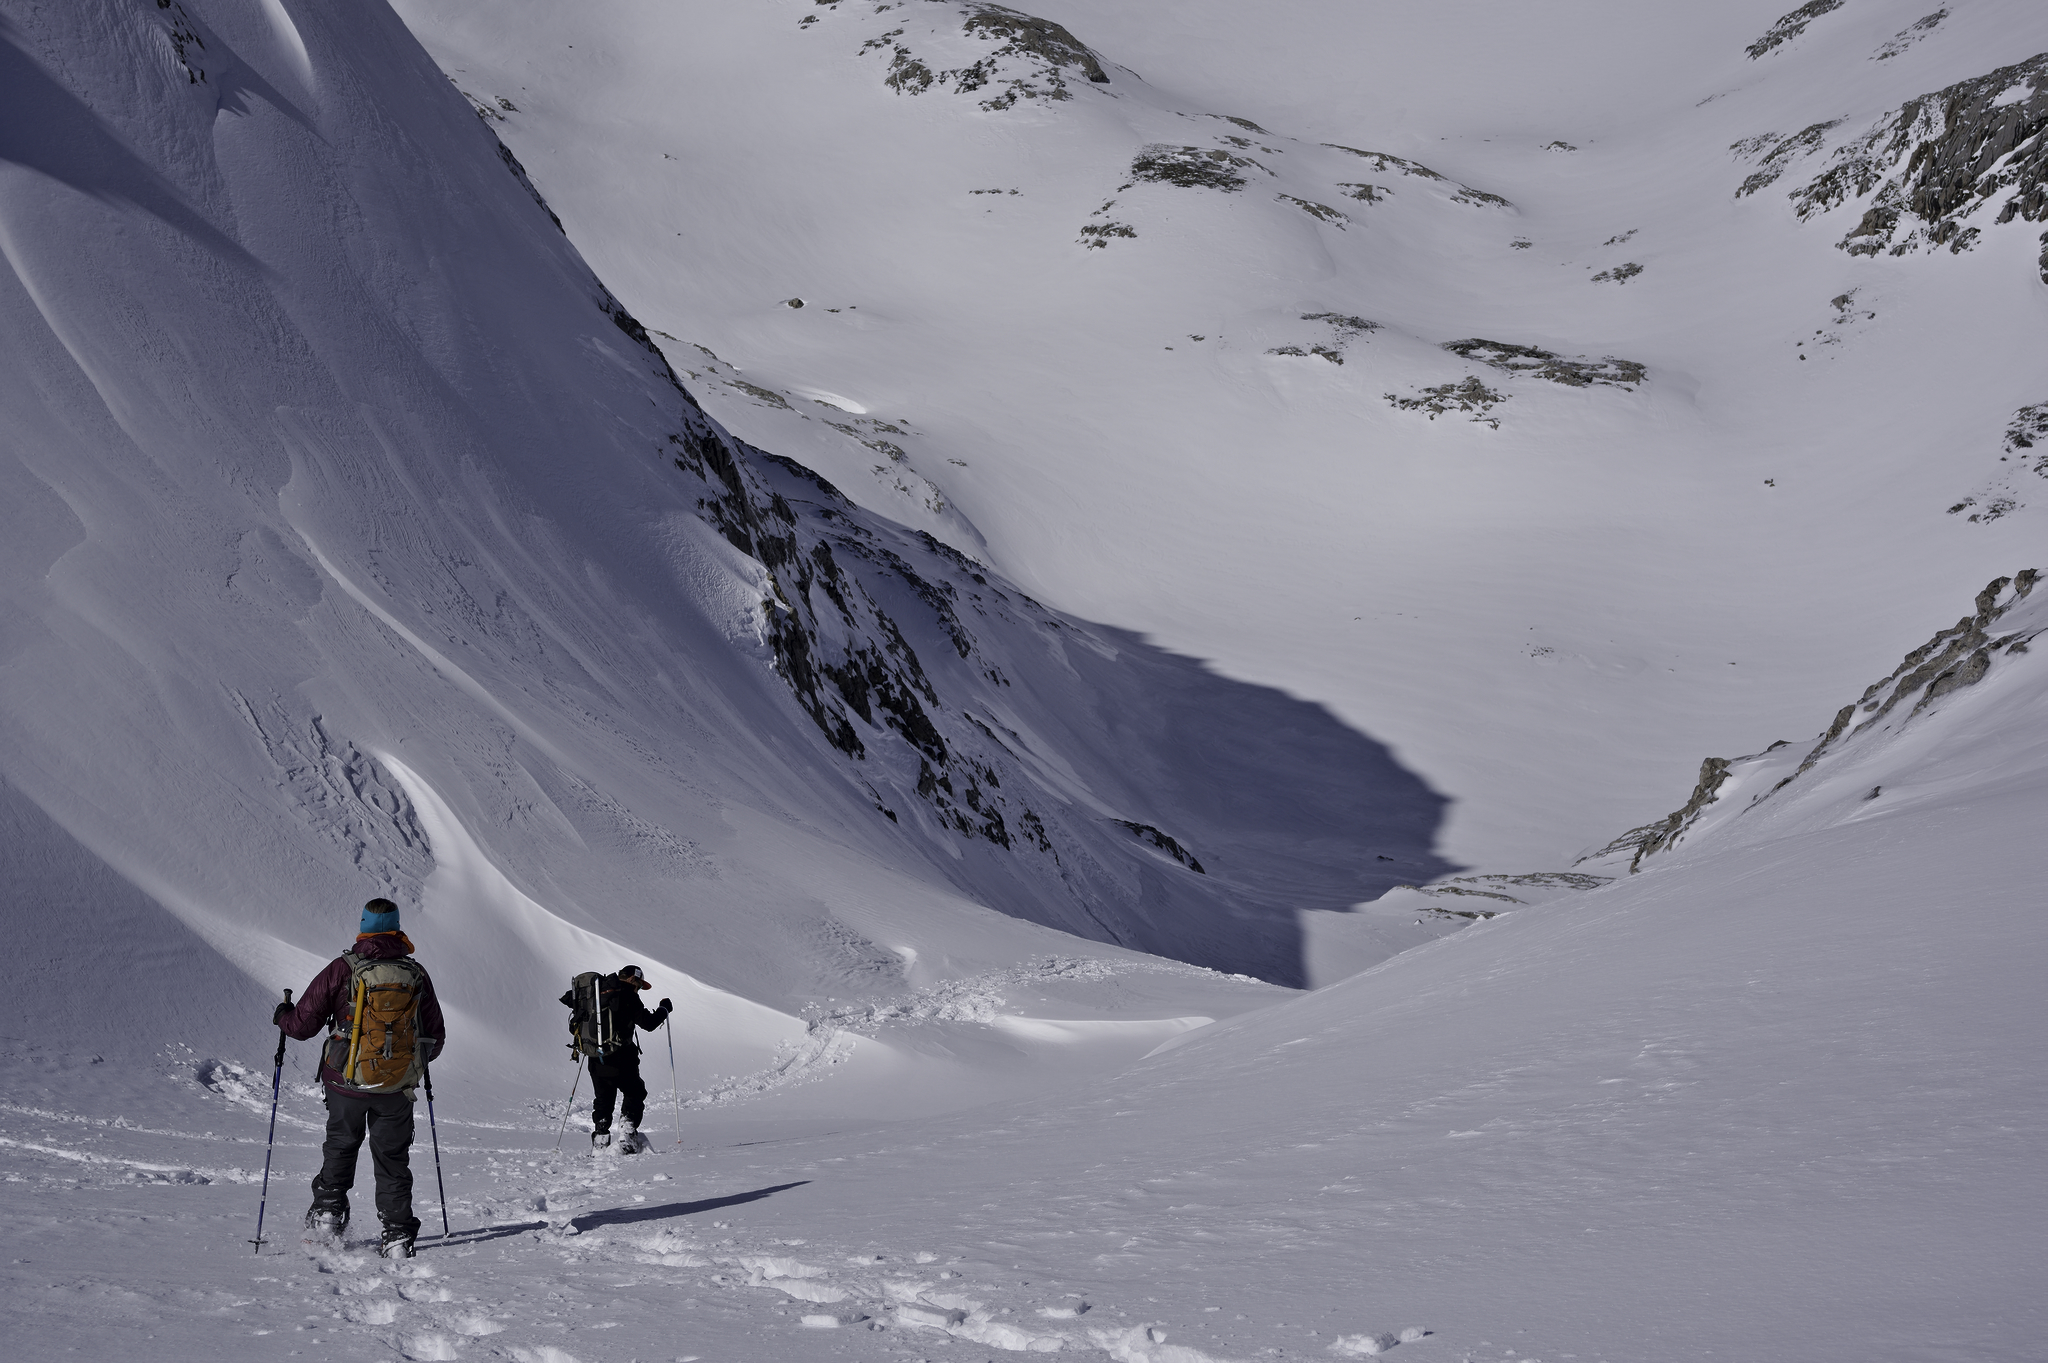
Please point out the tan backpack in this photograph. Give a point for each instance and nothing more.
(379, 1052)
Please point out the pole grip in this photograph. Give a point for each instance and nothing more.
(280, 1032)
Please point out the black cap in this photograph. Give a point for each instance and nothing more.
(635, 976)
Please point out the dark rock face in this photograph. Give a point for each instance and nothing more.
(1192, 167)
(1912, 33)
(1022, 35)
(2029, 427)
(1031, 59)
(1146, 833)
(1660, 835)
(1775, 154)
(526, 183)
(1057, 771)
(1544, 364)
(1790, 26)
(1954, 658)
(1468, 395)
(1384, 162)
(1940, 159)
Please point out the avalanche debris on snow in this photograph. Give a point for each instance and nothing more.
(336, 789)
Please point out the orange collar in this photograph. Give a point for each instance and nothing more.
(403, 940)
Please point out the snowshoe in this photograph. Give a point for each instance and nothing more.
(600, 1140)
(326, 1223)
(398, 1240)
(632, 1143)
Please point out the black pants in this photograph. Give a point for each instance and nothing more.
(386, 1120)
(616, 1077)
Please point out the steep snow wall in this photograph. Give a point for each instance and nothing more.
(357, 540)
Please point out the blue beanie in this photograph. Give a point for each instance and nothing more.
(380, 915)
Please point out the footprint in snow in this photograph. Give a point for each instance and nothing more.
(475, 1325)
(421, 1292)
(1361, 1346)
(429, 1348)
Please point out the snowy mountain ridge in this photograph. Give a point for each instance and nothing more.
(1027, 601)
(1864, 739)
(1117, 335)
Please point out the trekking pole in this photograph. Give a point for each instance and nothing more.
(276, 1082)
(572, 1101)
(675, 1086)
(428, 1075)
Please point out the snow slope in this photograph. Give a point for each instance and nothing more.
(360, 542)
(356, 541)
(1775, 1094)
(1611, 583)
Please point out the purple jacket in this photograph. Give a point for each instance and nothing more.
(326, 1000)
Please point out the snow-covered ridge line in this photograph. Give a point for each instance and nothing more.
(1956, 657)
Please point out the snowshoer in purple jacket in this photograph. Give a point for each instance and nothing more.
(386, 1026)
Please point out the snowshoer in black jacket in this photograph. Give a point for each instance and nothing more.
(604, 1011)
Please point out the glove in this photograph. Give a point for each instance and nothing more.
(277, 1015)
(666, 1008)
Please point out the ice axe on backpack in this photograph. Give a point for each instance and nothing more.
(276, 1083)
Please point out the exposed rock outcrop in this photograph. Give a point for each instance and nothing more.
(1954, 658)
(1790, 26)
(1545, 364)
(1032, 59)
(1937, 161)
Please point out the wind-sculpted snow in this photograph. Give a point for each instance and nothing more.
(354, 536)
(361, 541)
